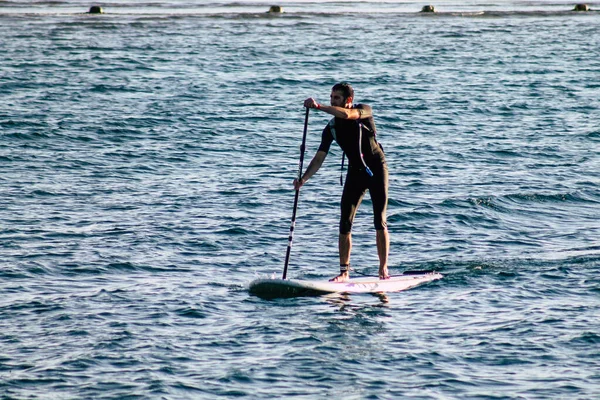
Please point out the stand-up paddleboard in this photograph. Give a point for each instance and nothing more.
(275, 288)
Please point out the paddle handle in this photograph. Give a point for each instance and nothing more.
(297, 195)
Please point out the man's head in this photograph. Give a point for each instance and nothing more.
(342, 95)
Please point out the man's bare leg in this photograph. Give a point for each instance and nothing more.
(345, 247)
(383, 249)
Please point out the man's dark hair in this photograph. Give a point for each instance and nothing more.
(345, 88)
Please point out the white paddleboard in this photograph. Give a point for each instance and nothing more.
(274, 288)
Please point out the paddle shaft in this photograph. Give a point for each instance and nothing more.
(291, 237)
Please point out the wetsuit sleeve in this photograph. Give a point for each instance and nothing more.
(364, 110)
(366, 117)
(326, 140)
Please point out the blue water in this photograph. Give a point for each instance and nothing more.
(147, 158)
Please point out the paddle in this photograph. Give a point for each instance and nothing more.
(291, 237)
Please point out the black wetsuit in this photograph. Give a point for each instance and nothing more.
(357, 179)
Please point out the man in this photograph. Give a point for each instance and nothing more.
(353, 129)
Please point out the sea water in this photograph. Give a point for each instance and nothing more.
(146, 165)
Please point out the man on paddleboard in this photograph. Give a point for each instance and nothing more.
(353, 128)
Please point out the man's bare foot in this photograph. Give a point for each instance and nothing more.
(383, 273)
(343, 277)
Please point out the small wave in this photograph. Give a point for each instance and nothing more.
(190, 312)
(574, 197)
(500, 203)
(586, 339)
(127, 266)
(35, 307)
(43, 193)
(235, 231)
(121, 267)
(103, 88)
(8, 272)
(11, 123)
(594, 135)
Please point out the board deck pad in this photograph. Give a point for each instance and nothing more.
(276, 288)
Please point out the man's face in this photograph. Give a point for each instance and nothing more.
(337, 99)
